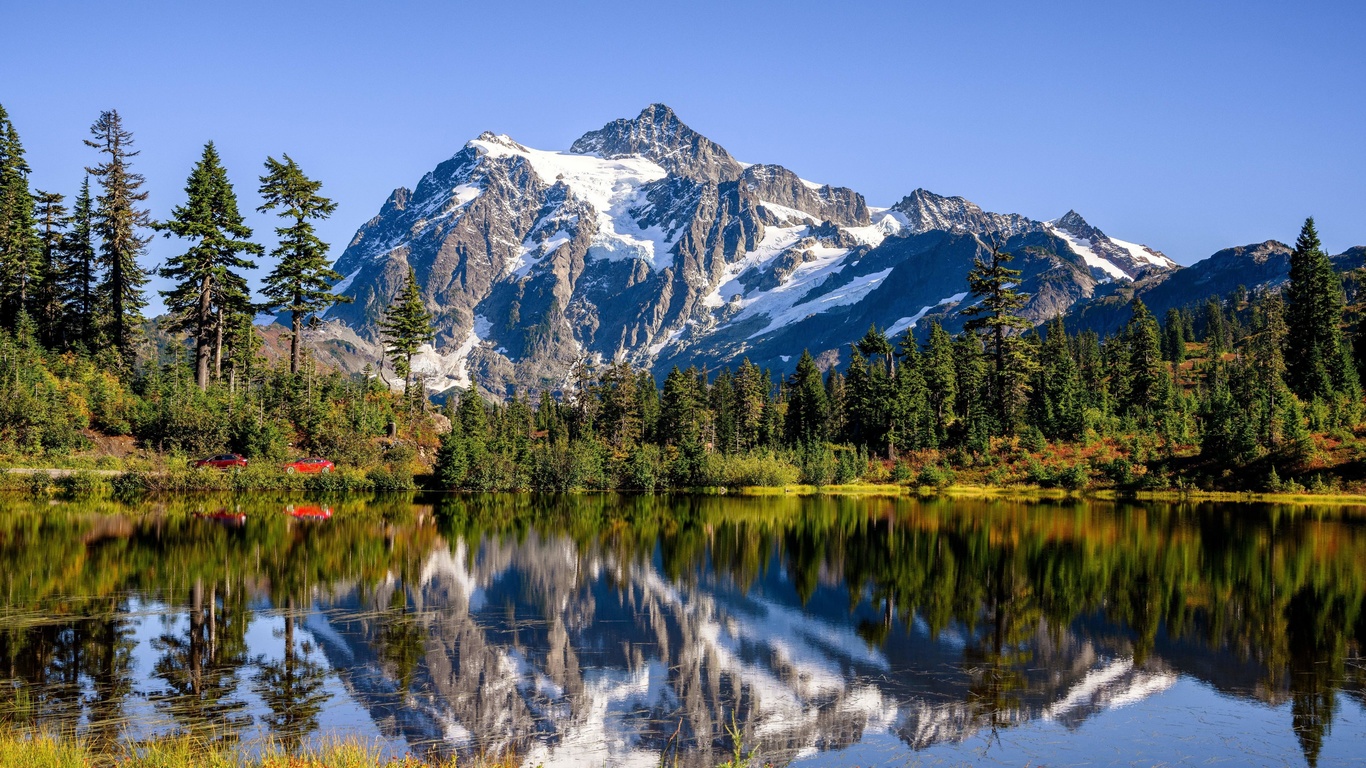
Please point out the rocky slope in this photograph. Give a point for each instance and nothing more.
(650, 243)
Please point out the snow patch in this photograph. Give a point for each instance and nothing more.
(1142, 253)
(1082, 248)
(907, 323)
(612, 187)
(441, 371)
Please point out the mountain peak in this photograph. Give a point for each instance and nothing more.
(1071, 220)
(925, 210)
(657, 134)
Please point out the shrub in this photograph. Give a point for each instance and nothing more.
(396, 479)
(39, 484)
(846, 465)
(1075, 477)
(902, 473)
(760, 469)
(78, 485)
(642, 469)
(130, 485)
(935, 476)
(817, 464)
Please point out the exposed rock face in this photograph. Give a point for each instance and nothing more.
(650, 243)
(657, 134)
(925, 211)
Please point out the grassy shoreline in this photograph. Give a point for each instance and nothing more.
(80, 483)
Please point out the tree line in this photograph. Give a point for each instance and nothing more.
(73, 278)
(1255, 379)
(1273, 369)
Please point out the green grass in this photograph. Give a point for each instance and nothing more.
(19, 749)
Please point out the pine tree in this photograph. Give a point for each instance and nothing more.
(49, 298)
(806, 403)
(1058, 408)
(82, 270)
(941, 379)
(679, 422)
(118, 220)
(205, 276)
(1147, 373)
(1266, 345)
(994, 319)
(1174, 338)
(751, 399)
(1315, 353)
(20, 247)
(301, 282)
(406, 326)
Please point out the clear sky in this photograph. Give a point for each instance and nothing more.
(1187, 126)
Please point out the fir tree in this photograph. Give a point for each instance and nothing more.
(994, 319)
(806, 403)
(1315, 354)
(82, 270)
(1058, 408)
(1174, 337)
(205, 275)
(941, 379)
(679, 421)
(406, 326)
(49, 297)
(20, 247)
(118, 221)
(301, 282)
(1148, 378)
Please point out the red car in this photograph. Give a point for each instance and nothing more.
(310, 466)
(225, 461)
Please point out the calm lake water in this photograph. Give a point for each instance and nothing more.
(619, 630)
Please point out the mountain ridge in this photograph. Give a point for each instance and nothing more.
(650, 243)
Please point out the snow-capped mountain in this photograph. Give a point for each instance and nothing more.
(649, 242)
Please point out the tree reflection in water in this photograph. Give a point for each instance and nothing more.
(545, 625)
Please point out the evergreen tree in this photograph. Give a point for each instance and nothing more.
(751, 399)
(1148, 378)
(406, 326)
(205, 276)
(807, 406)
(994, 319)
(82, 270)
(1174, 338)
(971, 373)
(118, 221)
(1058, 408)
(1266, 345)
(301, 282)
(20, 247)
(679, 421)
(941, 380)
(619, 417)
(1315, 354)
(49, 298)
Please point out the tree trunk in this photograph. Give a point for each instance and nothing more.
(218, 345)
(201, 338)
(296, 322)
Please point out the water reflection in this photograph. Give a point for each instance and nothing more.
(614, 630)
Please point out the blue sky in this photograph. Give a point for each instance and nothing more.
(1187, 126)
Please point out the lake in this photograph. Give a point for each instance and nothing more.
(604, 630)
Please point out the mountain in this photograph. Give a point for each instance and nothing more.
(1256, 266)
(648, 242)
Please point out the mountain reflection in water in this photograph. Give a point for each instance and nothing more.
(619, 630)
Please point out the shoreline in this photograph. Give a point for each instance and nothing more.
(218, 482)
